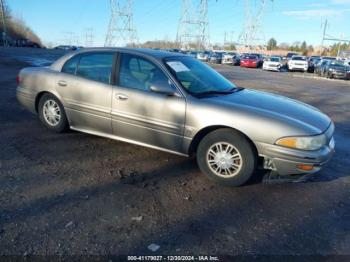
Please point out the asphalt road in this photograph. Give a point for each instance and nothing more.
(77, 194)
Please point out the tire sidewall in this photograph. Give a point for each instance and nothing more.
(240, 142)
(63, 124)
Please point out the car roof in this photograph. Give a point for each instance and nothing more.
(152, 53)
(155, 53)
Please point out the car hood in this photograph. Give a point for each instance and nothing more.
(275, 106)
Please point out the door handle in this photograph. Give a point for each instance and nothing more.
(121, 97)
(62, 83)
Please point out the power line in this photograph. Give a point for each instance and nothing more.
(121, 30)
(89, 37)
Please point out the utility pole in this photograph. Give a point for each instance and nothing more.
(121, 30)
(4, 33)
(193, 28)
(324, 33)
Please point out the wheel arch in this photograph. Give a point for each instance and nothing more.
(205, 131)
(40, 95)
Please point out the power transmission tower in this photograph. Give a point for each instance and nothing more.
(121, 30)
(89, 37)
(68, 39)
(252, 34)
(193, 28)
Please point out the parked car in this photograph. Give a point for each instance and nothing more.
(318, 66)
(230, 58)
(311, 63)
(66, 47)
(298, 63)
(216, 57)
(204, 56)
(274, 63)
(260, 58)
(25, 43)
(334, 69)
(251, 61)
(290, 55)
(194, 54)
(180, 105)
(328, 58)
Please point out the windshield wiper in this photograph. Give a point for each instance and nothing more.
(220, 92)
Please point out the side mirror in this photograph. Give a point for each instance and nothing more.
(163, 88)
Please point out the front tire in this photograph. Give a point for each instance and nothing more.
(227, 157)
(52, 114)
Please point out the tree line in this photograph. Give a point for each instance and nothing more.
(16, 27)
(304, 48)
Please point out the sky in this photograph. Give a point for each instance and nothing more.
(286, 20)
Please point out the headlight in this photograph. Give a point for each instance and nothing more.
(331, 69)
(304, 143)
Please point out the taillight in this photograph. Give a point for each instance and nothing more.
(18, 80)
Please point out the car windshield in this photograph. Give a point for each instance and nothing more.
(274, 59)
(299, 58)
(250, 57)
(198, 78)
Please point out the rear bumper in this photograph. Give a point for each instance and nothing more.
(26, 99)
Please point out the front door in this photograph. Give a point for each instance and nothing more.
(143, 116)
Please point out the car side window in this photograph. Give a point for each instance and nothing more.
(70, 66)
(96, 66)
(138, 73)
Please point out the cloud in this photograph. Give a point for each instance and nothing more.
(312, 13)
(341, 1)
(317, 5)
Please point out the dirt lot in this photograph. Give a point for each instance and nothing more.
(79, 194)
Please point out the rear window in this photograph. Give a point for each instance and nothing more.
(299, 58)
(250, 57)
(97, 67)
(275, 59)
(70, 66)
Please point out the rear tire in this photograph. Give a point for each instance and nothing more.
(52, 114)
(227, 157)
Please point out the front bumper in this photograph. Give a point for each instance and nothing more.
(272, 68)
(298, 67)
(285, 161)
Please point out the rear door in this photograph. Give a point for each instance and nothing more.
(85, 86)
(143, 116)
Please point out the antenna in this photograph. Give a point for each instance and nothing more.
(193, 29)
(121, 30)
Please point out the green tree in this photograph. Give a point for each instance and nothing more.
(272, 44)
(303, 48)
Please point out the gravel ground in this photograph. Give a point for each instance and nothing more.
(76, 194)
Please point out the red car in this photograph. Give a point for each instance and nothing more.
(250, 61)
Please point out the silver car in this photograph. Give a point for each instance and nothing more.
(175, 103)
